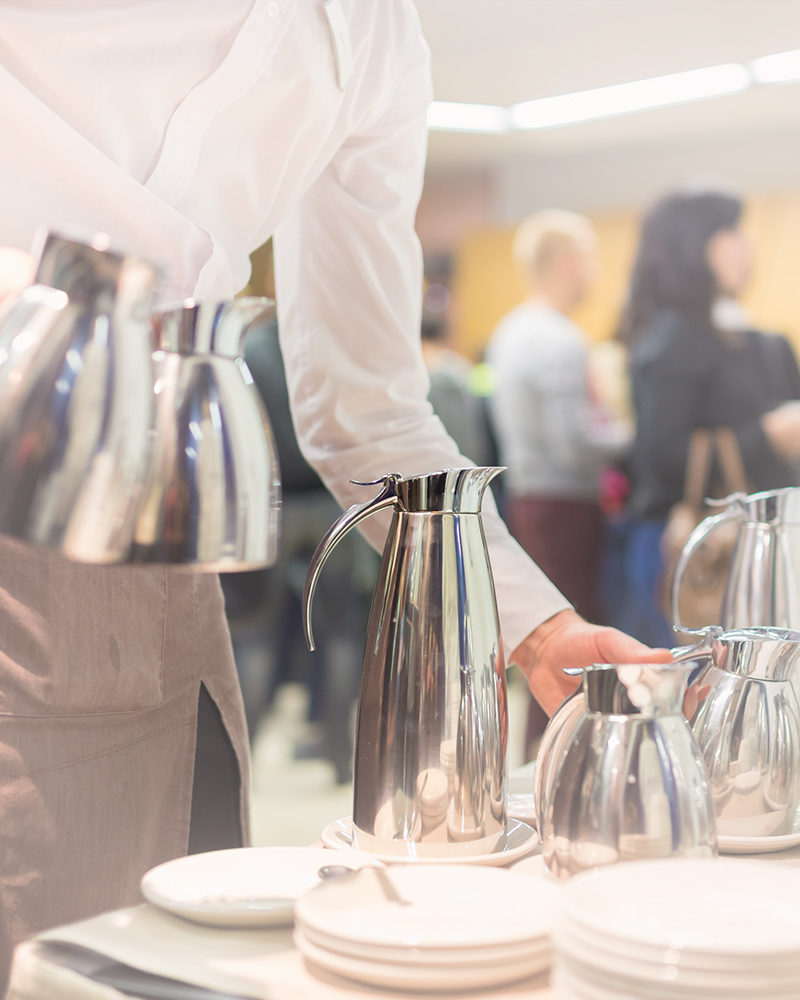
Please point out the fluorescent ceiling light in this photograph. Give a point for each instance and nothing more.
(776, 69)
(467, 117)
(657, 92)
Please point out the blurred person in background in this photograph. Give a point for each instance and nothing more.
(696, 362)
(552, 432)
(451, 395)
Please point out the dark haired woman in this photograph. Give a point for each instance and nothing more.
(695, 363)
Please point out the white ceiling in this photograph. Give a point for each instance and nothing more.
(506, 51)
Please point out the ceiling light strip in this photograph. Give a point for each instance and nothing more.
(618, 99)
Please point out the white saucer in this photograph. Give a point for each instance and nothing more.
(446, 907)
(521, 805)
(534, 867)
(479, 955)
(757, 845)
(404, 976)
(519, 840)
(242, 887)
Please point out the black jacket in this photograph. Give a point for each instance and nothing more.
(685, 377)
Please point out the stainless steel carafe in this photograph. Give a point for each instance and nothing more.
(212, 495)
(630, 782)
(763, 586)
(561, 728)
(76, 401)
(747, 725)
(432, 714)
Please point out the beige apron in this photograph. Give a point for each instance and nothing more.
(100, 670)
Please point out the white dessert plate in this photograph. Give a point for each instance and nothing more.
(242, 887)
(744, 910)
(586, 981)
(426, 956)
(521, 805)
(534, 867)
(584, 953)
(519, 839)
(444, 907)
(757, 845)
(412, 977)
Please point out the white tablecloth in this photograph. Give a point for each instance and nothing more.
(261, 964)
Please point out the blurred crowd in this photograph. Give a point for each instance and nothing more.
(597, 438)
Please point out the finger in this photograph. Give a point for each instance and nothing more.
(16, 270)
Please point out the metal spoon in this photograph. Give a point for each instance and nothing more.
(386, 884)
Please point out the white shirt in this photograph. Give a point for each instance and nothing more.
(553, 435)
(192, 131)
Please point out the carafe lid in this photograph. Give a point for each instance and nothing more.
(449, 490)
(771, 507)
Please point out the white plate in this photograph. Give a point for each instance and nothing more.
(582, 952)
(448, 906)
(401, 976)
(534, 867)
(743, 910)
(757, 845)
(426, 956)
(521, 805)
(242, 887)
(520, 839)
(590, 981)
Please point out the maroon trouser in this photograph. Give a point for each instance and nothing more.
(565, 539)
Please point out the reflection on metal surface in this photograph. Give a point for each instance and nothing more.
(212, 496)
(628, 781)
(763, 586)
(432, 713)
(76, 401)
(747, 726)
(112, 453)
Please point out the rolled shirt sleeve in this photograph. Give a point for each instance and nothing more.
(349, 289)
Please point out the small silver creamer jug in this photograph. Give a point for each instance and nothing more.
(630, 782)
(431, 726)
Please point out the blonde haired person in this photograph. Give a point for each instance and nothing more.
(550, 241)
(552, 432)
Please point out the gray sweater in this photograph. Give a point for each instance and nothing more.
(551, 435)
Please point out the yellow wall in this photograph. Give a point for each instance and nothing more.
(486, 285)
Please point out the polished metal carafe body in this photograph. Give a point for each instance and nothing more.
(763, 585)
(431, 726)
(212, 496)
(76, 401)
(747, 725)
(128, 436)
(629, 782)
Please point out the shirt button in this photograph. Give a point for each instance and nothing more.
(274, 9)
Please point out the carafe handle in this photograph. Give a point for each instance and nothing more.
(349, 519)
(735, 509)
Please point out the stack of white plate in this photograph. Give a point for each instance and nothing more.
(695, 929)
(428, 927)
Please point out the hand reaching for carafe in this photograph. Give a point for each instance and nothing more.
(566, 640)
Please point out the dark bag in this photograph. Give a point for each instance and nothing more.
(703, 584)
